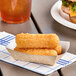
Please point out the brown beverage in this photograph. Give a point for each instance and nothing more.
(15, 11)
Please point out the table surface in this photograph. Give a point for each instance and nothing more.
(41, 21)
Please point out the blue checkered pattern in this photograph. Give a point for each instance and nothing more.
(6, 40)
(39, 68)
(63, 62)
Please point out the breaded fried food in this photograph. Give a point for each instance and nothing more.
(47, 52)
(37, 40)
(58, 49)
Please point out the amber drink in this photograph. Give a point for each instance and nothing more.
(15, 11)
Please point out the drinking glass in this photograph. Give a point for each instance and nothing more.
(15, 11)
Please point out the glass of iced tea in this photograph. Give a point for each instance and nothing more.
(15, 11)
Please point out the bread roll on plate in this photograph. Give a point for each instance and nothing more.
(69, 8)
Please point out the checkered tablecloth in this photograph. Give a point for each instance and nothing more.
(6, 38)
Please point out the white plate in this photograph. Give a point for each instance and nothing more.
(56, 15)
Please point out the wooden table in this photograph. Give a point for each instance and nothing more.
(40, 22)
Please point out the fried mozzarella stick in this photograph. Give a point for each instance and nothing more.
(37, 40)
(47, 52)
(58, 49)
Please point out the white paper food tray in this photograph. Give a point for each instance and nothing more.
(50, 60)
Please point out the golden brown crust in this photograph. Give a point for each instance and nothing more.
(59, 49)
(66, 9)
(47, 52)
(37, 40)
